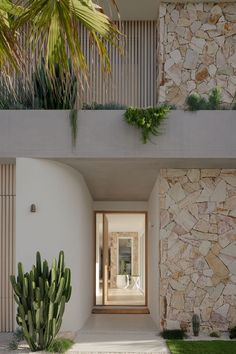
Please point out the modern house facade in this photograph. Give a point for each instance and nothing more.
(145, 227)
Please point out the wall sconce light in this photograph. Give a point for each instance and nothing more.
(33, 208)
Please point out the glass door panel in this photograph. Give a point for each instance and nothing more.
(122, 244)
(99, 259)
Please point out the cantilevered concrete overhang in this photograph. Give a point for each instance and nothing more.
(142, 10)
(110, 154)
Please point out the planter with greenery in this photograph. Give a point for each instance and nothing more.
(42, 19)
(44, 92)
(147, 120)
(195, 102)
(41, 295)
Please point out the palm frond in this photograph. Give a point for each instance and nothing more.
(10, 52)
(56, 23)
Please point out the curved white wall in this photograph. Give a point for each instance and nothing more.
(64, 220)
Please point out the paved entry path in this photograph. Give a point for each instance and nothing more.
(119, 334)
(109, 334)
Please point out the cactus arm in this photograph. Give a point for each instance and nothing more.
(60, 290)
(68, 295)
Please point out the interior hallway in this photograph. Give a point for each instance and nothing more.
(119, 334)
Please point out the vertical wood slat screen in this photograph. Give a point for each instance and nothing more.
(133, 77)
(132, 81)
(7, 245)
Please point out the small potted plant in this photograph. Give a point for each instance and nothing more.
(122, 279)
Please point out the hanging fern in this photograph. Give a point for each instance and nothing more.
(148, 120)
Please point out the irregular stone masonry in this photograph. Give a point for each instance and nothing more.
(198, 248)
(197, 50)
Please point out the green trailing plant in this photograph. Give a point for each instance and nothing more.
(103, 106)
(196, 324)
(232, 333)
(60, 345)
(148, 120)
(41, 295)
(173, 334)
(195, 102)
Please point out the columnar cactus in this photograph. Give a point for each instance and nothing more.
(196, 325)
(41, 295)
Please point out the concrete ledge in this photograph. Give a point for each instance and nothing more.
(104, 134)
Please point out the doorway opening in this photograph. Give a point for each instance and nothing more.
(121, 259)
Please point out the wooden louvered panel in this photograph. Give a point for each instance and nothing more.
(7, 245)
(133, 77)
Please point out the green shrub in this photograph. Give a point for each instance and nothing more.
(195, 102)
(214, 335)
(60, 345)
(103, 106)
(148, 120)
(41, 295)
(173, 334)
(232, 333)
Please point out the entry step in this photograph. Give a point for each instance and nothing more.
(120, 310)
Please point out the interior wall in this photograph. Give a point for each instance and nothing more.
(63, 221)
(153, 252)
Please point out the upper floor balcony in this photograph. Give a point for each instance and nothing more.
(183, 48)
(169, 51)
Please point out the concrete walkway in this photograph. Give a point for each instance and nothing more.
(119, 334)
(110, 334)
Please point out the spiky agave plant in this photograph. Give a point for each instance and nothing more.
(41, 296)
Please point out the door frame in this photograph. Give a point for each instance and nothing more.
(146, 258)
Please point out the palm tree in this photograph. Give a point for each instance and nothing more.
(54, 29)
(10, 54)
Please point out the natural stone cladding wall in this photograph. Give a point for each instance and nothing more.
(198, 247)
(198, 50)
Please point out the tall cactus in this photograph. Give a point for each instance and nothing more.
(196, 324)
(41, 296)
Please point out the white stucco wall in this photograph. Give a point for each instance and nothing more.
(153, 253)
(64, 220)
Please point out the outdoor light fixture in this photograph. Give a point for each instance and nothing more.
(33, 208)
